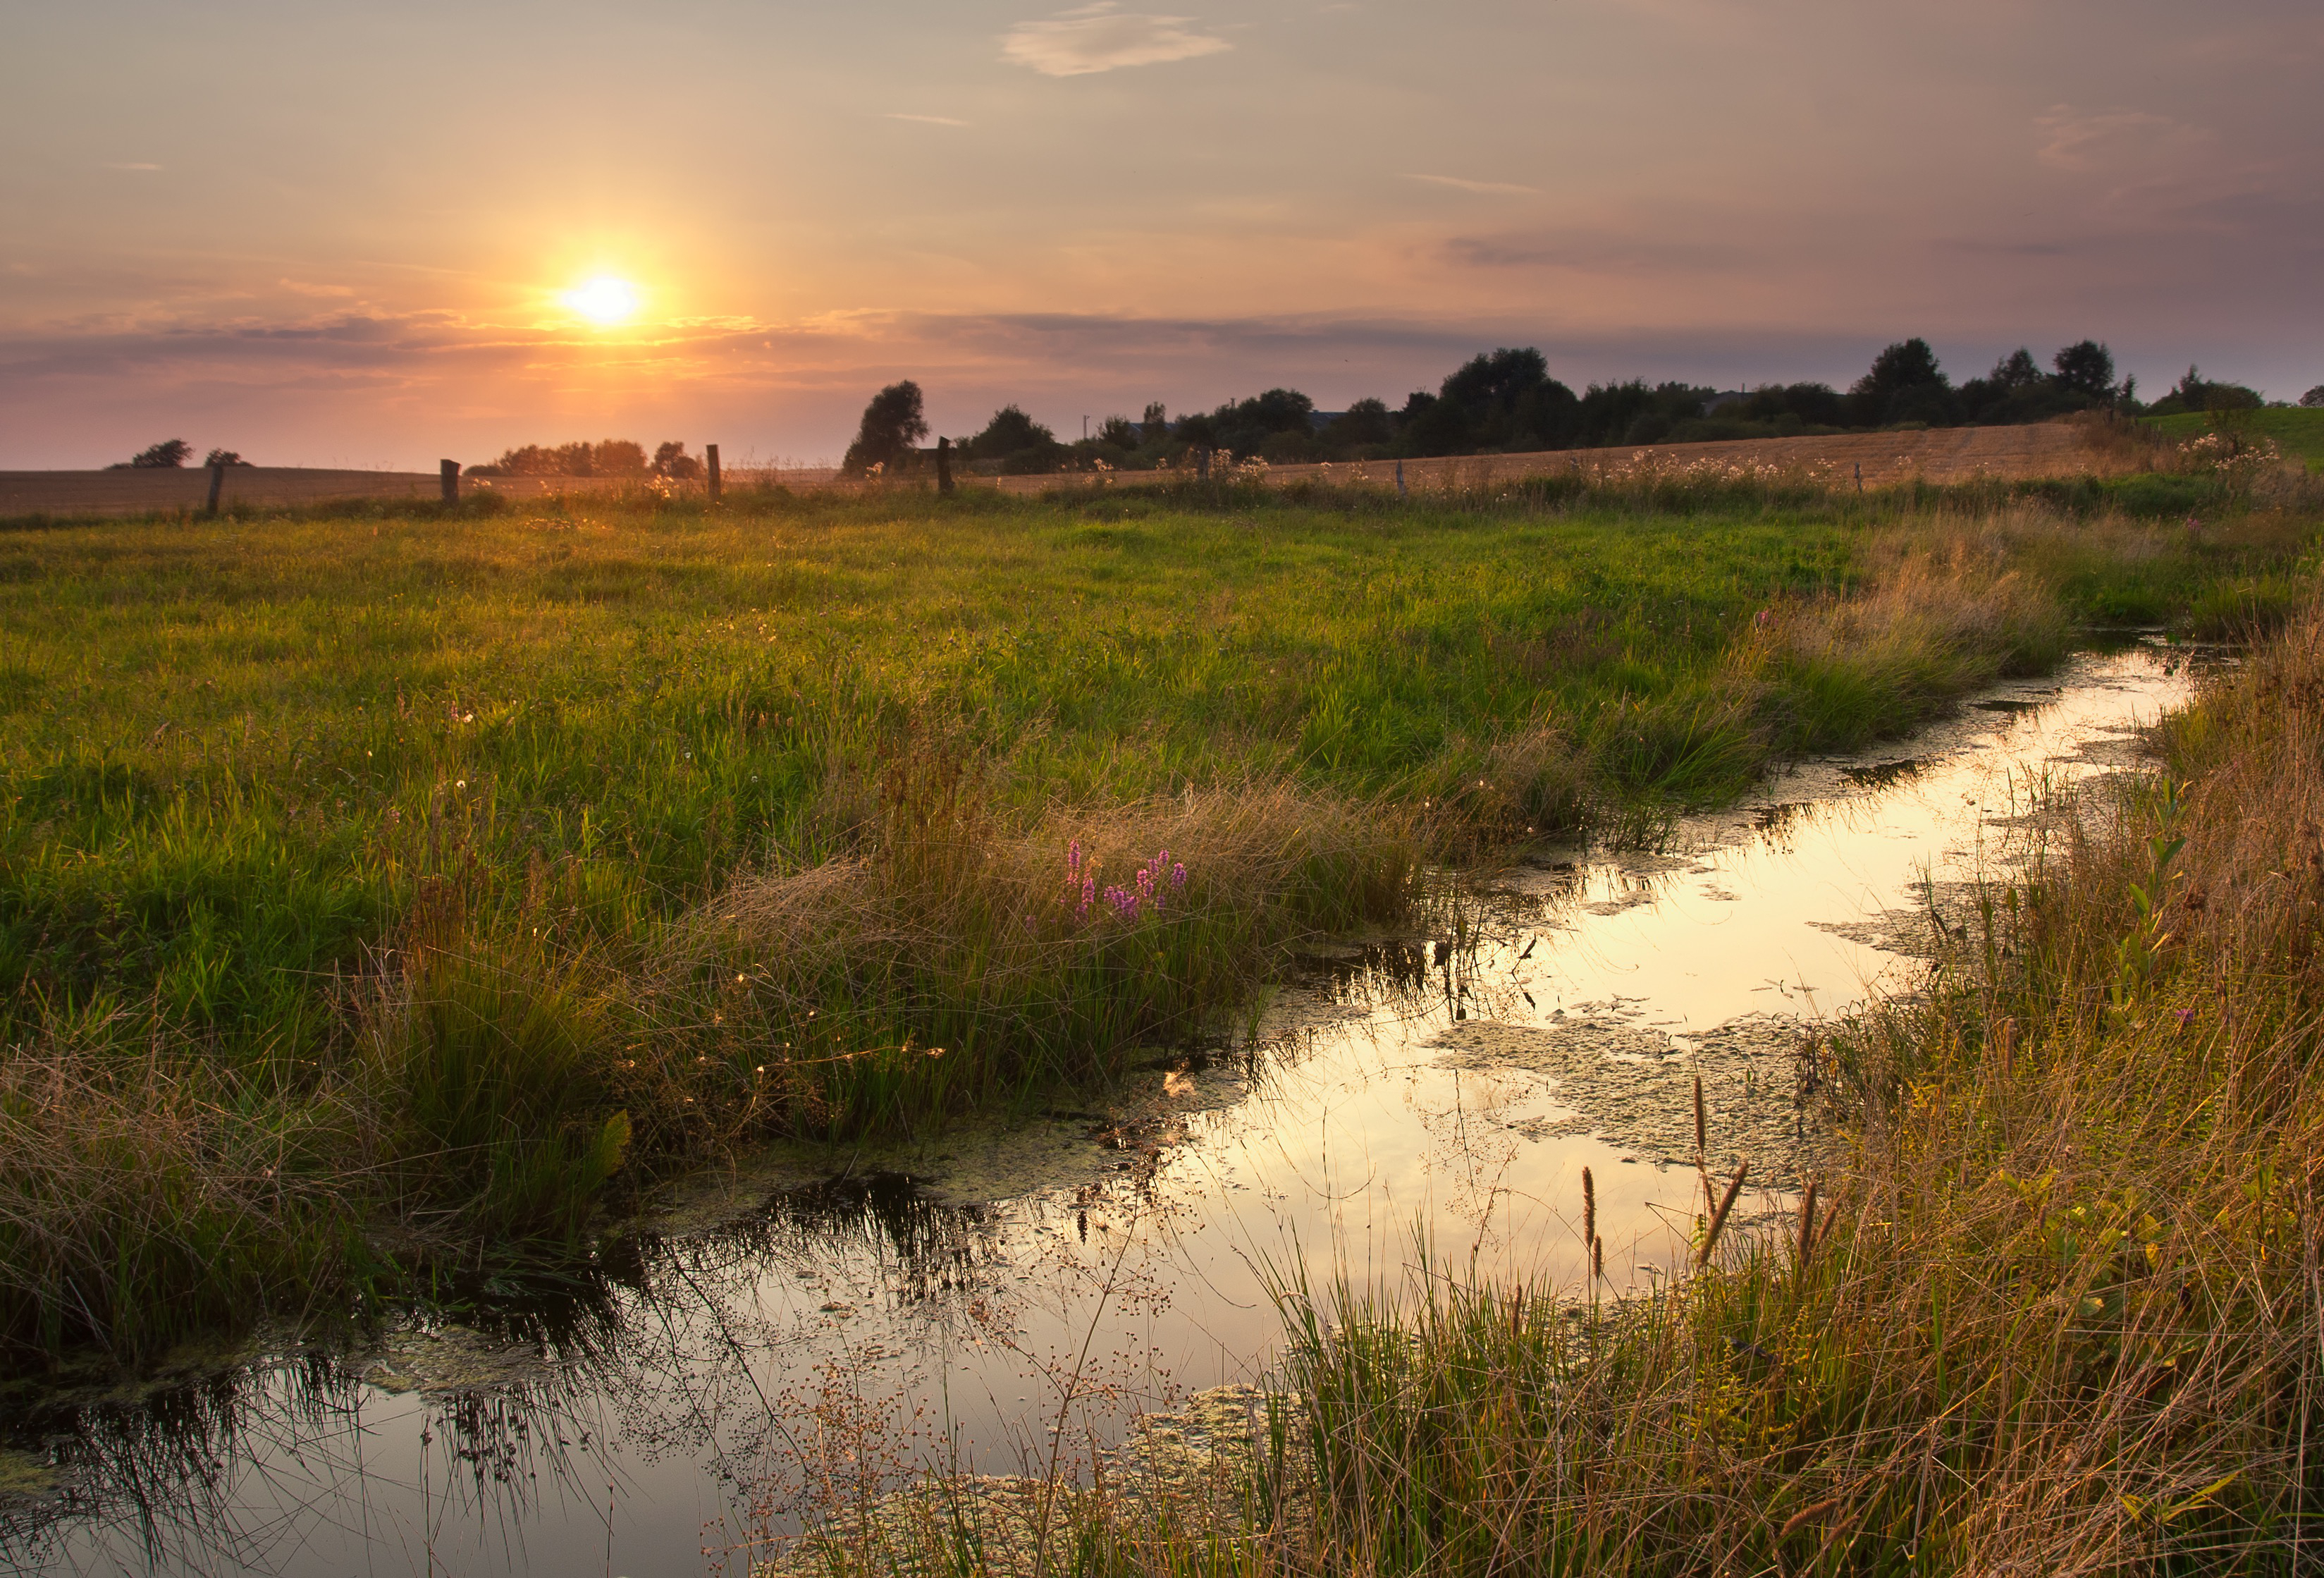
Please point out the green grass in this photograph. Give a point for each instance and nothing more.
(2060, 1312)
(467, 858)
(2299, 433)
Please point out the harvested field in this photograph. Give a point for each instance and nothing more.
(1936, 455)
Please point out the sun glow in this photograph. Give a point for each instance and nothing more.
(604, 302)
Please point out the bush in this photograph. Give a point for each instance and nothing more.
(892, 424)
(162, 457)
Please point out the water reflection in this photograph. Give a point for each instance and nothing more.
(681, 1394)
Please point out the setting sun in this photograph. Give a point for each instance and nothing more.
(603, 300)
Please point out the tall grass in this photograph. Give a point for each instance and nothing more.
(456, 864)
(2066, 1314)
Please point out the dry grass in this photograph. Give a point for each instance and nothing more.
(2063, 1312)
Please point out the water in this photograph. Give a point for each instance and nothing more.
(1445, 1089)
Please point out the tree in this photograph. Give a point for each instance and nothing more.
(892, 424)
(2017, 370)
(1015, 440)
(672, 461)
(224, 457)
(161, 456)
(2314, 398)
(2085, 367)
(1155, 425)
(1365, 422)
(619, 458)
(1118, 431)
(1904, 385)
(1504, 399)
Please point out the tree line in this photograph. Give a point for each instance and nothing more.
(1504, 402)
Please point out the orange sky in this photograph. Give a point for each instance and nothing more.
(325, 235)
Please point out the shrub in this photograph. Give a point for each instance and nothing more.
(892, 424)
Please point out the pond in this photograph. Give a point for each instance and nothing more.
(760, 1345)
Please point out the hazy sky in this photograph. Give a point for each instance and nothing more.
(321, 232)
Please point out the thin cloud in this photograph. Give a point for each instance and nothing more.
(2078, 142)
(1461, 183)
(898, 114)
(133, 167)
(1099, 37)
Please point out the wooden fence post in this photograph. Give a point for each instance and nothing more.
(218, 487)
(944, 465)
(449, 472)
(711, 450)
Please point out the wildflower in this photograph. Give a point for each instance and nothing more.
(1178, 874)
(1089, 893)
(2186, 1018)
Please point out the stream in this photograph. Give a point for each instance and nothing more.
(762, 1342)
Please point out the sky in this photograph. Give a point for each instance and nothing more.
(328, 234)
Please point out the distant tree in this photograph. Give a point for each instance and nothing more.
(892, 424)
(2314, 398)
(161, 456)
(1501, 400)
(1904, 385)
(1015, 441)
(672, 461)
(2017, 370)
(1246, 427)
(1154, 426)
(1364, 424)
(1196, 430)
(1118, 431)
(2085, 367)
(2196, 392)
(1806, 405)
(224, 457)
(619, 458)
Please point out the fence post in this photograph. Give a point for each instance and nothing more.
(1399, 479)
(218, 487)
(449, 472)
(712, 451)
(944, 465)
(1202, 466)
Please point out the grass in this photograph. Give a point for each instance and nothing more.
(2060, 1310)
(2299, 434)
(2065, 1309)
(413, 874)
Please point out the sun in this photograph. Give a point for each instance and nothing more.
(605, 301)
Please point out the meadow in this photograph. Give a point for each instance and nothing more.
(2054, 1309)
(381, 886)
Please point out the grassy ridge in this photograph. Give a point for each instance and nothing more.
(426, 869)
(2299, 434)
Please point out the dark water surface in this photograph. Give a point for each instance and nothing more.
(665, 1414)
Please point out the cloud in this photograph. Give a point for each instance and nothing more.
(2078, 142)
(1098, 38)
(898, 114)
(133, 167)
(1591, 252)
(1461, 183)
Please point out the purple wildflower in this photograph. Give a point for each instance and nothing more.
(1178, 876)
(1073, 859)
(1089, 894)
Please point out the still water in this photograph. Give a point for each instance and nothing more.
(673, 1412)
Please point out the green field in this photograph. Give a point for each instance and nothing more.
(372, 880)
(2299, 433)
